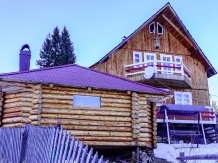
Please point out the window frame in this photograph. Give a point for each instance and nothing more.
(86, 105)
(140, 58)
(154, 27)
(180, 57)
(171, 60)
(161, 27)
(151, 54)
(183, 93)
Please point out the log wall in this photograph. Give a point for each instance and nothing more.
(124, 118)
(147, 119)
(109, 125)
(36, 105)
(1, 101)
(16, 108)
(143, 42)
(119, 122)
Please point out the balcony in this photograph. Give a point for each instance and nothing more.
(201, 118)
(206, 117)
(166, 74)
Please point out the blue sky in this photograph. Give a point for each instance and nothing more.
(97, 26)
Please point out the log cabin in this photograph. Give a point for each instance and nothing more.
(98, 108)
(162, 53)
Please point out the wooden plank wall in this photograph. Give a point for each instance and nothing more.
(143, 42)
(16, 107)
(199, 97)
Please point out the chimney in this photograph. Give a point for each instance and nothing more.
(25, 56)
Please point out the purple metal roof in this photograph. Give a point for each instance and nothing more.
(78, 76)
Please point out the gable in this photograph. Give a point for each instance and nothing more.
(168, 18)
(144, 41)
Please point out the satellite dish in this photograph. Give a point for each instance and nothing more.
(148, 73)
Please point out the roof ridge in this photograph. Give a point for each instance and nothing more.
(123, 79)
(34, 70)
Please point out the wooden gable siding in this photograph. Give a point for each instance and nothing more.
(143, 42)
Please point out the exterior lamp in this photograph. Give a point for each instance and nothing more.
(156, 43)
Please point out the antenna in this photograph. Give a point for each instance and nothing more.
(148, 73)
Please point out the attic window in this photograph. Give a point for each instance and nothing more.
(152, 28)
(159, 28)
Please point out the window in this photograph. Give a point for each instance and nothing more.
(149, 57)
(159, 28)
(87, 101)
(152, 28)
(178, 59)
(184, 98)
(137, 58)
(166, 64)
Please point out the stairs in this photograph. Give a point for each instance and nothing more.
(210, 133)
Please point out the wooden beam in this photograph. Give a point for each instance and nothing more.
(11, 83)
(196, 52)
(171, 23)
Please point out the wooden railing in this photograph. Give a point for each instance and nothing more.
(172, 68)
(207, 117)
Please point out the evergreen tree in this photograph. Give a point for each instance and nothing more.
(56, 40)
(67, 50)
(46, 54)
(57, 50)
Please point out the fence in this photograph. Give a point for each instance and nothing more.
(33, 144)
(182, 158)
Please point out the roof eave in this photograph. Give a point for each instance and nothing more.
(196, 45)
(77, 86)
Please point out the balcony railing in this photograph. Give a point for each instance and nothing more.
(163, 67)
(207, 117)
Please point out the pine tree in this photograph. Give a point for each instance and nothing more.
(46, 54)
(67, 50)
(56, 40)
(57, 50)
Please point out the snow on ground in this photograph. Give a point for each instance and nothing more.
(170, 152)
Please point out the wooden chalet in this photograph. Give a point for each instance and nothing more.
(98, 108)
(162, 53)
